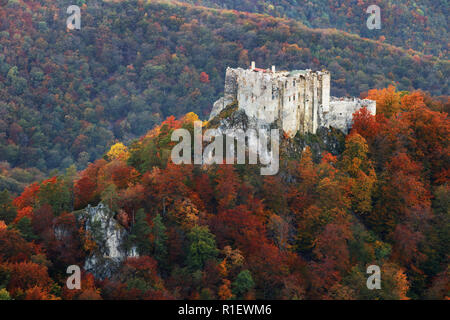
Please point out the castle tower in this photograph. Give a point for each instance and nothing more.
(324, 95)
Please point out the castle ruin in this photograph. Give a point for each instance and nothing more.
(297, 101)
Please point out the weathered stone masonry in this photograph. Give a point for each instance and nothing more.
(296, 100)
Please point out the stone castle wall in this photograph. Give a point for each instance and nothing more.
(298, 101)
(341, 112)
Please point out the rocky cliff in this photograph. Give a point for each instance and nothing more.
(109, 237)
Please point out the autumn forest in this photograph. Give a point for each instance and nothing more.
(86, 118)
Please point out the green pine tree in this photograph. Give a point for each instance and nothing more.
(25, 229)
(202, 247)
(139, 235)
(158, 231)
(7, 211)
(243, 284)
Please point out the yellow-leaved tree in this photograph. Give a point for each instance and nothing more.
(118, 152)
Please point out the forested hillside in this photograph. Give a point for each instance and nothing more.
(420, 25)
(66, 96)
(226, 232)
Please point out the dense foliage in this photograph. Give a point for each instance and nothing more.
(419, 25)
(66, 96)
(225, 232)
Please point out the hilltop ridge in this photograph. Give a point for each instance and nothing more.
(418, 25)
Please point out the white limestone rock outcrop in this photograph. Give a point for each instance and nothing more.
(109, 237)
